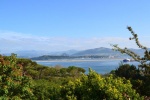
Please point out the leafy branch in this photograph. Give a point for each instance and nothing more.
(142, 60)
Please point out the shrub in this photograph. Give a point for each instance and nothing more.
(95, 87)
(14, 84)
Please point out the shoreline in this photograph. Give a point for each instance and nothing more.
(78, 60)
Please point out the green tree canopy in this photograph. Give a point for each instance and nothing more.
(95, 87)
(14, 84)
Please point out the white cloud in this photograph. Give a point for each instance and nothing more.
(11, 41)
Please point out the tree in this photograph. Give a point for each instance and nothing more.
(140, 83)
(29, 67)
(46, 90)
(75, 71)
(144, 64)
(95, 87)
(14, 84)
(127, 71)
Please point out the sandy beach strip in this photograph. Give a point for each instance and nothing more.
(77, 60)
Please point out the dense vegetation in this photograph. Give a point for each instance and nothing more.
(23, 79)
(14, 84)
(139, 77)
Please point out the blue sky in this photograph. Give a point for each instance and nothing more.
(58, 25)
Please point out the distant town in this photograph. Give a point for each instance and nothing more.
(52, 57)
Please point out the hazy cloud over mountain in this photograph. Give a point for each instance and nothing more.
(12, 41)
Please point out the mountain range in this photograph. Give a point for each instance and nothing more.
(102, 51)
(97, 51)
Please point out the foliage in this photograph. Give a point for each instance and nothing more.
(46, 90)
(37, 71)
(144, 61)
(127, 71)
(58, 83)
(30, 67)
(132, 73)
(49, 72)
(95, 87)
(140, 78)
(14, 83)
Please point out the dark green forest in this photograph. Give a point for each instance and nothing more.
(24, 79)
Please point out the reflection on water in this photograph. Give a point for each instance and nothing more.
(100, 66)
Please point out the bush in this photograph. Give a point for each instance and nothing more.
(127, 71)
(14, 84)
(95, 87)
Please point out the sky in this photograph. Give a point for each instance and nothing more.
(59, 25)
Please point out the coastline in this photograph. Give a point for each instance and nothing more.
(77, 60)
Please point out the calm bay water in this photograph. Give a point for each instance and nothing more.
(100, 66)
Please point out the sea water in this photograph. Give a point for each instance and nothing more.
(100, 66)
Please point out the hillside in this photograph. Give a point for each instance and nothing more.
(101, 52)
(106, 51)
(97, 51)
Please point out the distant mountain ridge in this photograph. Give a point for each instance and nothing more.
(102, 51)
(107, 52)
(97, 51)
(36, 53)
